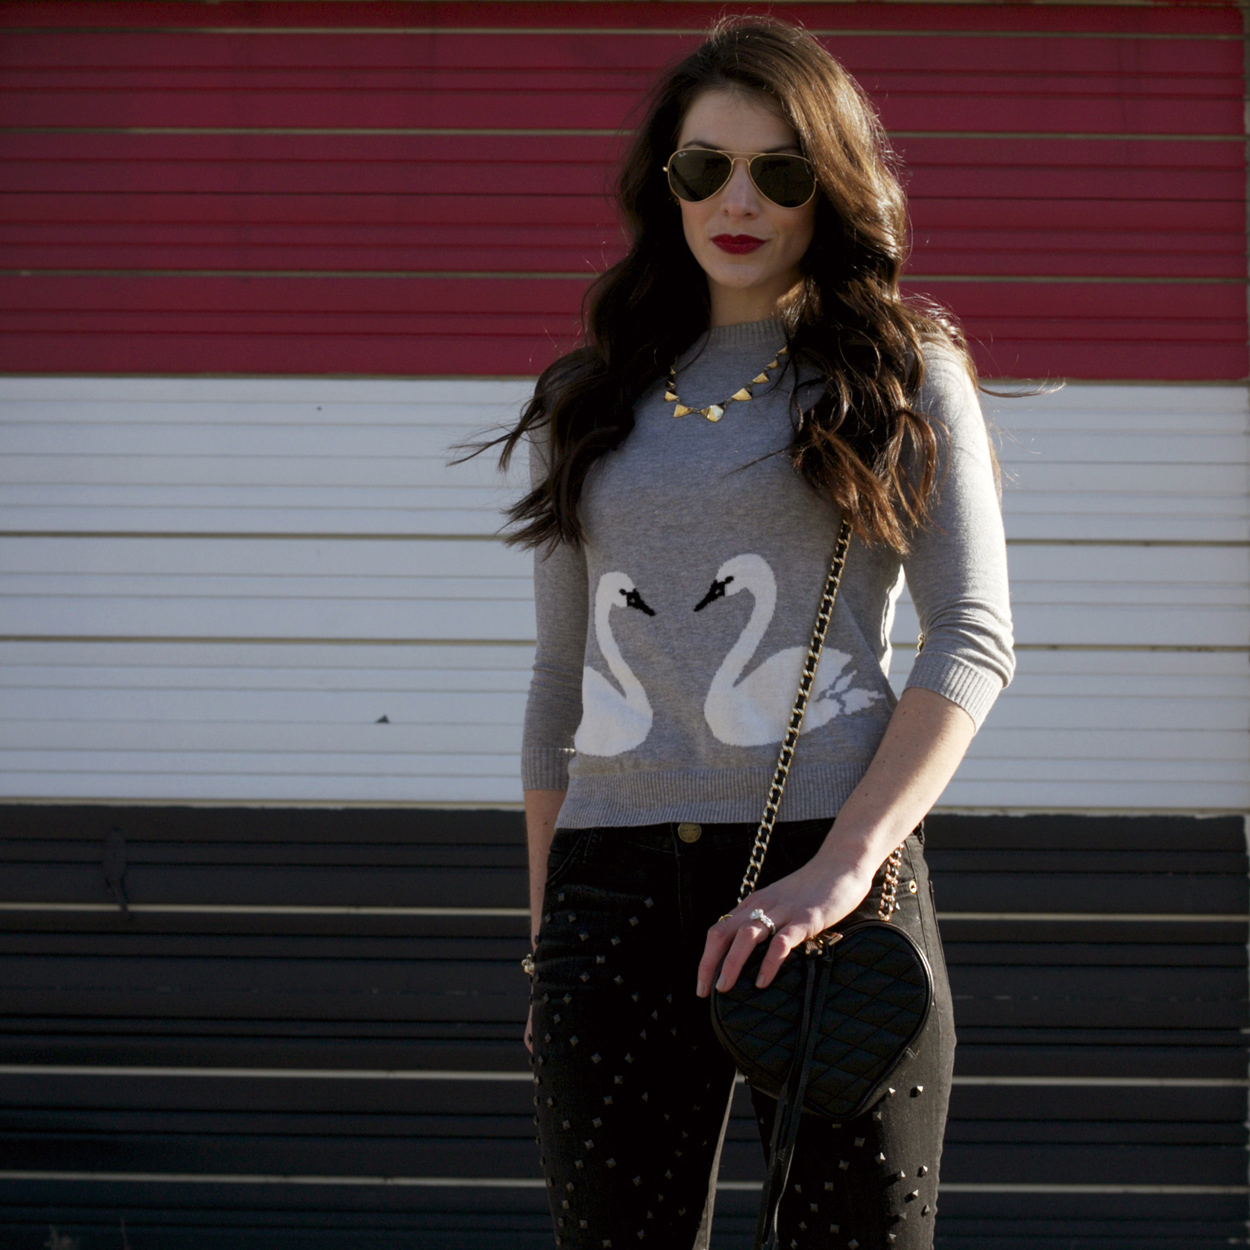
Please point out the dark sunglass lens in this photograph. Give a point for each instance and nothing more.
(787, 180)
(697, 174)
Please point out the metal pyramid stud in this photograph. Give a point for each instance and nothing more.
(680, 410)
(743, 394)
(713, 412)
(772, 364)
(759, 378)
(671, 396)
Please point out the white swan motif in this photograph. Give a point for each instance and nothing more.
(613, 722)
(752, 711)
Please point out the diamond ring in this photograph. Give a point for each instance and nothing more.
(760, 915)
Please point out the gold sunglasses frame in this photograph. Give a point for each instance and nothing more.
(749, 157)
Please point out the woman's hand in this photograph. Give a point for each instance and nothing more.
(541, 809)
(918, 754)
(805, 903)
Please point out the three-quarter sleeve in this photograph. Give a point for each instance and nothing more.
(554, 707)
(957, 567)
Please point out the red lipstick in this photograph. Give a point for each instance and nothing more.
(737, 244)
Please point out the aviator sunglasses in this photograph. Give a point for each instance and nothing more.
(696, 174)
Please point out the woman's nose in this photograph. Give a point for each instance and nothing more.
(740, 195)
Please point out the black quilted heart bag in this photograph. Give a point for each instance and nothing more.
(843, 1012)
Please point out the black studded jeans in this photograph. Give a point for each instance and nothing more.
(632, 1089)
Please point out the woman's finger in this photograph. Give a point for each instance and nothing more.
(788, 937)
(719, 937)
(529, 1031)
(745, 941)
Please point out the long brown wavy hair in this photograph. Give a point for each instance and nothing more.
(857, 440)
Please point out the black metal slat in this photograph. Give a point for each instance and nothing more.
(1068, 998)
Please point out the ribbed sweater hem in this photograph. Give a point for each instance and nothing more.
(713, 795)
(545, 768)
(973, 689)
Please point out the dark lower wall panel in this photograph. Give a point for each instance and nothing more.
(190, 1009)
(217, 1220)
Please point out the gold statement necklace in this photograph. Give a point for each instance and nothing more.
(714, 412)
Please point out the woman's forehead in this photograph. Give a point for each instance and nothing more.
(736, 121)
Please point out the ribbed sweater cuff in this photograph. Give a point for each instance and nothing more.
(545, 768)
(973, 689)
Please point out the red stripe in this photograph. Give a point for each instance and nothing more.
(499, 212)
(1090, 262)
(936, 151)
(990, 213)
(533, 204)
(489, 177)
(607, 109)
(581, 251)
(356, 210)
(1184, 17)
(404, 356)
(145, 58)
(93, 151)
(441, 326)
(1200, 305)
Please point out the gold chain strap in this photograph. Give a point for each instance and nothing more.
(889, 887)
(824, 613)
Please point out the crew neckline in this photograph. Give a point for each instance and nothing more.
(764, 333)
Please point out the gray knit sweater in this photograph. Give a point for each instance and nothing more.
(669, 646)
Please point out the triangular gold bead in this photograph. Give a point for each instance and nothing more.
(759, 378)
(713, 412)
(681, 410)
(741, 395)
(772, 364)
(670, 396)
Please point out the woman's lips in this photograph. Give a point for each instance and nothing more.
(737, 244)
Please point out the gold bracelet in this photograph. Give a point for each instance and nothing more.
(527, 965)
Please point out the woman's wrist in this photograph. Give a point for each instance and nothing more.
(856, 854)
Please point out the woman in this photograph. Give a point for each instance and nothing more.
(750, 375)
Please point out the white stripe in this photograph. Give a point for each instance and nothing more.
(436, 1074)
(263, 909)
(476, 1182)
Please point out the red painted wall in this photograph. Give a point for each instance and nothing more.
(418, 188)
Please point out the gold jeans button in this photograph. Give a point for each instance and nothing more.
(688, 831)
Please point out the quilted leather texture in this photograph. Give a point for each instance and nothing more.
(880, 990)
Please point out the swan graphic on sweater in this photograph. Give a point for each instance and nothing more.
(613, 720)
(753, 710)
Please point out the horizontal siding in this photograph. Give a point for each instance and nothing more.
(418, 324)
(168, 456)
(1106, 18)
(300, 723)
(320, 589)
(78, 201)
(279, 591)
(304, 1029)
(165, 1063)
(335, 189)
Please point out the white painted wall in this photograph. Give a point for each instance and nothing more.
(212, 589)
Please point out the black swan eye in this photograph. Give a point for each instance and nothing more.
(634, 600)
